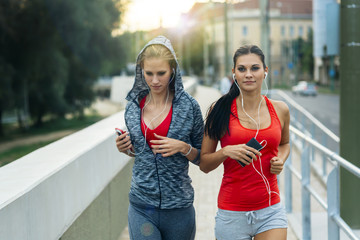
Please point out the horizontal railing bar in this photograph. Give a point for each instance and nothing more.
(309, 116)
(316, 196)
(295, 172)
(332, 155)
(343, 225)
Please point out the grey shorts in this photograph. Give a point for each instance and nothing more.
(238, 225)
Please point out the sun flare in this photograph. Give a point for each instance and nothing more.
(146, 15)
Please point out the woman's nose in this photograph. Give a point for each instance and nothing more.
(155, 79)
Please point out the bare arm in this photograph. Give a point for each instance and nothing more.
(210, 159)
(277, 163)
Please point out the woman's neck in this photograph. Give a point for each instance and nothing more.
(251, 101)
(158, 99)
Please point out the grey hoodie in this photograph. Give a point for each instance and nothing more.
(163, 182)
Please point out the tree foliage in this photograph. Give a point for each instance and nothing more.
(52, 51)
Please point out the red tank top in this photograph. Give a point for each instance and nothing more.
(242, 188)
(161, 130)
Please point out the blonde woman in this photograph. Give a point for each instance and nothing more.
(165, 130)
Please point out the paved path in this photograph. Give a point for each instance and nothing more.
(206, 185)
(102, 107)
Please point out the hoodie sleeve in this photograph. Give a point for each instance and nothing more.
(197, 132)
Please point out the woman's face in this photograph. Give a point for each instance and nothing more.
(157, 73)
(249, 71)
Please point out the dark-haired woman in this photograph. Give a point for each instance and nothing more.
(249, 201)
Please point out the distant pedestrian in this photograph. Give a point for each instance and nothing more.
(225, 85)
(254, 135)
(165, 133)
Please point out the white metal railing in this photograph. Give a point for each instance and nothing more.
(308, 124)
(332, 205)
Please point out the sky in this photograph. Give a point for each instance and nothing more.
(146, 14)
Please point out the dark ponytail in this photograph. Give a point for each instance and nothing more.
(218, 115)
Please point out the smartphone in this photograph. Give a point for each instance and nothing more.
(254, 144)
(119, 131)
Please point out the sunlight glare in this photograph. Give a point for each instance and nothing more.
(146, 15)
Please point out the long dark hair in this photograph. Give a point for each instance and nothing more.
(218, 115)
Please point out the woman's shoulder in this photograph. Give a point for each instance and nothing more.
(186, 99)
(280, 107)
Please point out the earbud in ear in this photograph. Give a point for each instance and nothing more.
(266, 74)
(234, 76)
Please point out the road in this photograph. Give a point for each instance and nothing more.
(324, 107)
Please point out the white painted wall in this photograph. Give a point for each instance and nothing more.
(42, 193)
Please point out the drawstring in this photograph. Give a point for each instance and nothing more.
(251, 217)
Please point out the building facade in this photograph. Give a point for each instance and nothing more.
(288, 20)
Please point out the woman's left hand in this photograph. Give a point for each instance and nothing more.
(277, 165)
(167, 146)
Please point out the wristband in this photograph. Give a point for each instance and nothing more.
(187, 152)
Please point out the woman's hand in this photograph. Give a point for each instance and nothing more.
(168, 146)
(241, 152)
(123, 143)
(276, 165)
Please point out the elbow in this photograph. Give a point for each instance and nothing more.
(203, 168)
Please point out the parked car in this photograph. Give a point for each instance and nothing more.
(305, 89)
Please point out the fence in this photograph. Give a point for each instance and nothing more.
(332, 205)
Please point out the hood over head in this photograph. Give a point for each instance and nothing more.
(140, 88)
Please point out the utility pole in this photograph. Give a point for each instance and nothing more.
(226, 37)
(349, 109)
(265, 34)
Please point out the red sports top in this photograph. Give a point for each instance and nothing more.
(161, 130)
(242, 188)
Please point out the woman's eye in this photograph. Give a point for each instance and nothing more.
(255, 68)
(149, 73)
(241, 69)
(161, 73)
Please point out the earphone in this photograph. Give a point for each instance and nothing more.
(147, 102)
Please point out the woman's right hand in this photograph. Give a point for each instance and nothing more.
(123, 143)
(241, 152)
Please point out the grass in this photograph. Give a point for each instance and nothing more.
(17, 152)
(51, 126)
(327, 90)
(12, 132)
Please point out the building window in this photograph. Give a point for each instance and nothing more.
(301, 31)
(283, 31)
(309, 29)
(291, 31)
(245, 31)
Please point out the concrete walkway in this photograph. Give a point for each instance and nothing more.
(206, 185)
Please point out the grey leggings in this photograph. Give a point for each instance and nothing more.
(149, 223)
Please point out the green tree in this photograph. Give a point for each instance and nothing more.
(8, 14)
(304, 53)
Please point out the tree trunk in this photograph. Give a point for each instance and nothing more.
(1, 125)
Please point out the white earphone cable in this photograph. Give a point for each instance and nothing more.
(266, 182)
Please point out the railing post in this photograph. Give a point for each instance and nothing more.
(333, 199)
(304, 122)
(288, 182)
(324, 158)
(305, 194)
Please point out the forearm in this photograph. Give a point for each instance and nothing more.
(284, 151)
(189, 152)
(210, 161)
